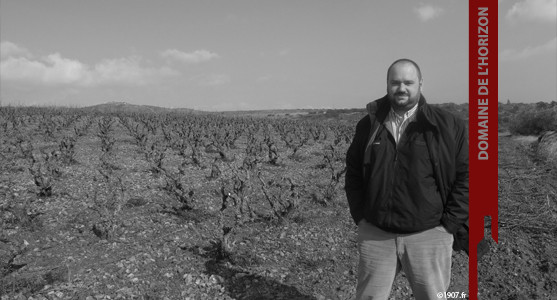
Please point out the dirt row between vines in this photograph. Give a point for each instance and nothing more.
(523, 265)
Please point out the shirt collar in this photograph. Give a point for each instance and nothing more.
(410, 113)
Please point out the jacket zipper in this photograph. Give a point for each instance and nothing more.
(390, 199)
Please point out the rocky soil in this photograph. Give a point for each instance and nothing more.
(70, 245)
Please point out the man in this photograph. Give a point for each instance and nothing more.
(407, 188)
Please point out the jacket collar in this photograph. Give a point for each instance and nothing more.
(381, 107)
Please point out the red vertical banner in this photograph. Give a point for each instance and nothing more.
(483, 100)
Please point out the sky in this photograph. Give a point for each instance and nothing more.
(217, 55)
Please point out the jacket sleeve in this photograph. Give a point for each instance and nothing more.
(354, 181)
(456, 209)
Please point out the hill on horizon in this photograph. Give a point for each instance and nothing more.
(115, 106)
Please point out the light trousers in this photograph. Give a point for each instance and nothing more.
(425, 258)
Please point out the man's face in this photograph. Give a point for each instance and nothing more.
(403, 86)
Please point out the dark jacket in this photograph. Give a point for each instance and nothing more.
(416, 185)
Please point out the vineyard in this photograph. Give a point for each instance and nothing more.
(188, 205)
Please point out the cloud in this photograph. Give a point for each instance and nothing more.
(194, 57)
(52, 69)
(214, 80)
(128, 70)
(9, 49)
(511, 54)
(534, 10)
(428, 12)
(18, 64)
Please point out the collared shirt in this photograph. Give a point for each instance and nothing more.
(397, 123)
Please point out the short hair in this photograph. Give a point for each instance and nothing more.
(405, 60)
